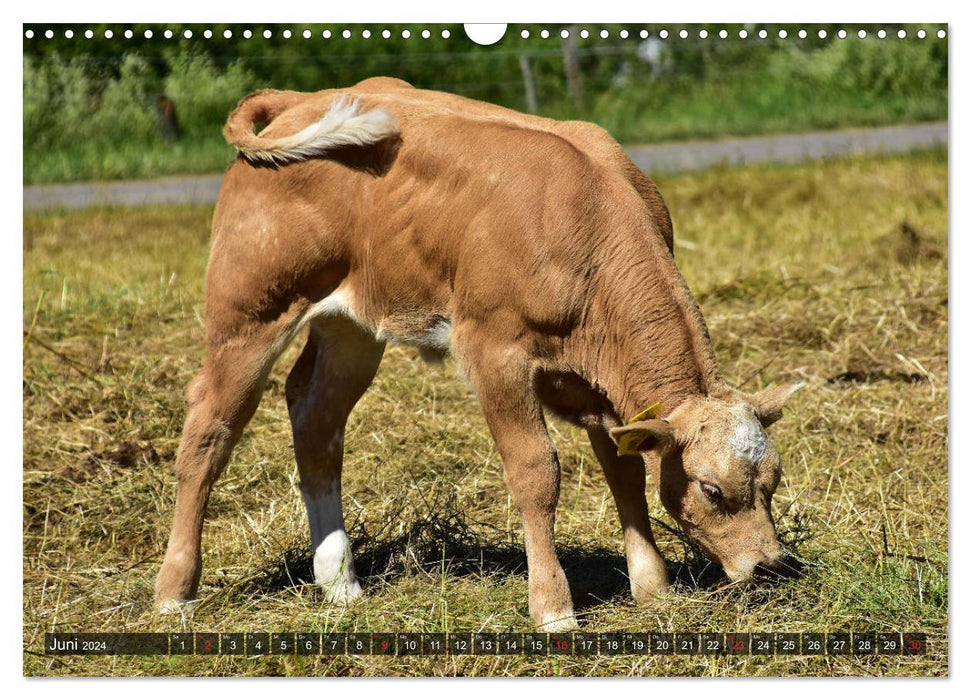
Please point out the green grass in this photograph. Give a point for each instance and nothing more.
(126, 161)
(835, 273)
(755, 106)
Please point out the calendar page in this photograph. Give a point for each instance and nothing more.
(537, 349)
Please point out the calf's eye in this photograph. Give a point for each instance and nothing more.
(712, 493)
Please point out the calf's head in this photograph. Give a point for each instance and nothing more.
(716, 470)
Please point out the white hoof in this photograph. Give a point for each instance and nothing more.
(334, 569)
(177, 607)
(559, 623)
(342, 592)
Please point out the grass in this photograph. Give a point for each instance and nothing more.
(86, 160)
(833, 272)
(754, 107)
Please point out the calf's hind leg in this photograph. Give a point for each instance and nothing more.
(220, 402)
(335, 368)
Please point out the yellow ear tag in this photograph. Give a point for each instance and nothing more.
(628, 442)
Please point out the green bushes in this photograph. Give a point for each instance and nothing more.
(203, 94)
(65, 103)
(841, 84)
(878, 69)
(83, 122)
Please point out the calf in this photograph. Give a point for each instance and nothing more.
(531, 250)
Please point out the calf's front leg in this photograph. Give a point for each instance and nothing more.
(625, 476)
(532, 474)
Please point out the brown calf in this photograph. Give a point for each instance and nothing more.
(531, 250)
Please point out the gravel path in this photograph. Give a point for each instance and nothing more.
(667, 158)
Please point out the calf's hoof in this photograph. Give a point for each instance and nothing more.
(646, 591)
(559, 623)
(334, 569)
(342, 592)
(176, 607)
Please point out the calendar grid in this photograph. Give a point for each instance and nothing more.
(488, 643)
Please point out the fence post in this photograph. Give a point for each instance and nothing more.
(571, 65)
(168, 123)
(532, 105)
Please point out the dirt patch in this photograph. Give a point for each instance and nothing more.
(908, 245)
(126, 456)
(870, 376)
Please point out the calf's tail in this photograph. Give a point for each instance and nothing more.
(345, 123)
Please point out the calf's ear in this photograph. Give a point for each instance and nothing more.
(643, 436)
(768, 403)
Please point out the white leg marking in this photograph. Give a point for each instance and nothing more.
(333, 561)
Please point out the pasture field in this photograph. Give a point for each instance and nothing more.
(834, 273)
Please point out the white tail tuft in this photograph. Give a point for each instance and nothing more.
(344, 124)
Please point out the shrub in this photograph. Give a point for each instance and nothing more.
(59, 99)
(203, 94)
(872, 68)
(126, 110)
